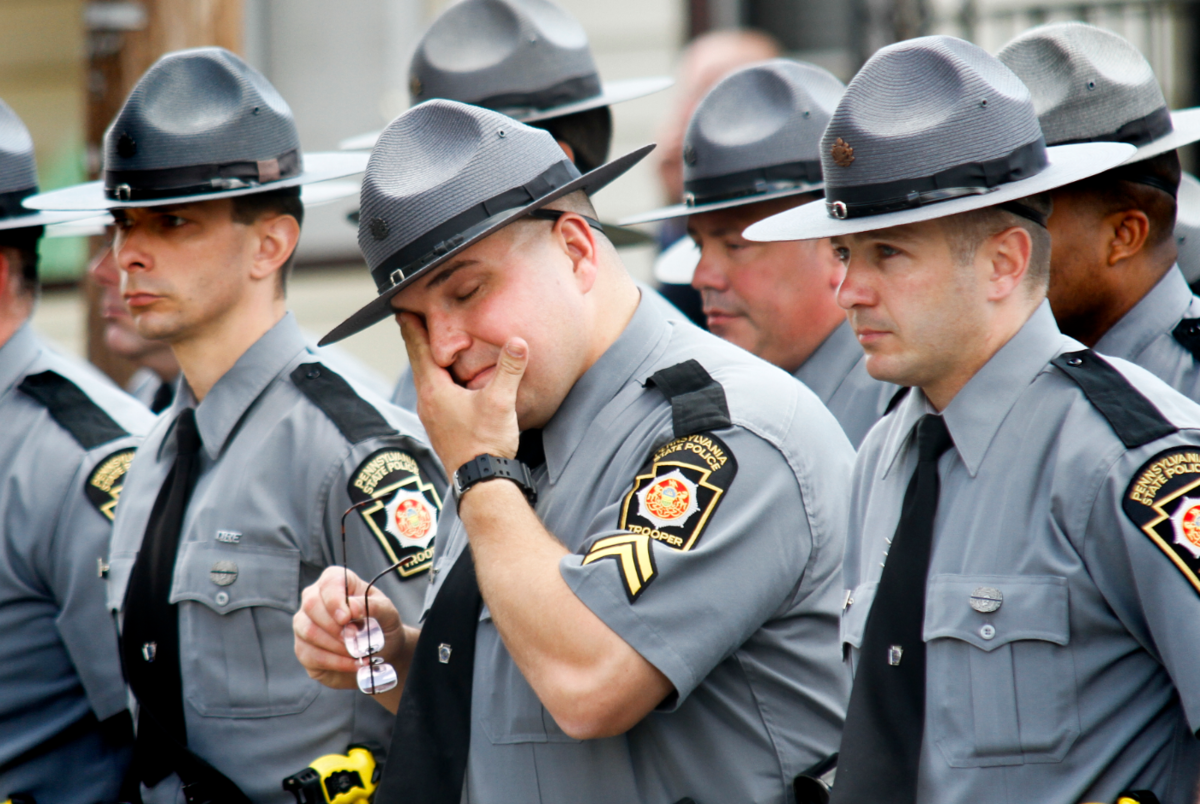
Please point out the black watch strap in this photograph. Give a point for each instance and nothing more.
(491, 467)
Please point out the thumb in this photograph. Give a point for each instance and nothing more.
(511, 368)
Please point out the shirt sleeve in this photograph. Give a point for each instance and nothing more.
(709, 541)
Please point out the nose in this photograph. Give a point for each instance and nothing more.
(129, 251)
(447, 340)
(709, 274)
(855, 290)
(104, 268)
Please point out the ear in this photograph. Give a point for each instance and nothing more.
(578, 241)
(277, 236)
(1130, 229)
(1008, 254)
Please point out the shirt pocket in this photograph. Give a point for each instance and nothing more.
(1005, 683)
(235, 630)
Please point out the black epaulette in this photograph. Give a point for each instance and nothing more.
(74, 410)
(697, 400)
(896, 399)
(351, 414)
(1187, 333)
(1132, 416)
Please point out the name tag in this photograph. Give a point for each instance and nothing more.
(229, 536)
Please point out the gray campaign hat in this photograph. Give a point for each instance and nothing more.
(528, 59)
(444, 176)
(18, 176)
(932, 127)
(201, 124)
(1091, 85)
(755, 136)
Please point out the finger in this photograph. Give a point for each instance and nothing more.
(416, 343)
(514, 357)
(314, 624)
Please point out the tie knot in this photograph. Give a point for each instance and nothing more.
(187, 437)
(530, 450)
(932, 438)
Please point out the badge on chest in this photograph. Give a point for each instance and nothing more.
(403, 516)
(1164, 501)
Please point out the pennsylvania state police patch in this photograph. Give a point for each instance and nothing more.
(1163, 499)
(404, 508)
(672, 501)
(104, 484)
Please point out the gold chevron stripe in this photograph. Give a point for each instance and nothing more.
(635, 556)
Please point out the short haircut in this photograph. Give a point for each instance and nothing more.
(588, 133)
(968, 231)
(248, 209)
(1149, 185)
(24, 243)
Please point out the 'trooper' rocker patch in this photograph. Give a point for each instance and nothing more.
(104, 484)
(672, 501)
(404, 514)
(1163, 499)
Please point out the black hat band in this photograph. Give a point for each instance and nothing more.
(143, 185)
(976, 178)
(518, 104)
(757, 181)
(10, 203)
(1138, 132)
(447, 236)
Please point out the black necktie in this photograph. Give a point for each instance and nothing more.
(885, 723)
(163, 397)
(427, 760)
(150, 636)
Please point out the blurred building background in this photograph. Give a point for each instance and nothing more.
(65, 66)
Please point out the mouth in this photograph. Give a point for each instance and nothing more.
(139, 300)
(478, 380)
(718, 318)
(867, 336)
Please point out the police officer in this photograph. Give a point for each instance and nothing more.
(1018, 639)
(237, 497)
(658, 562)
(1114, 281)
(67, 438)
(777, 300)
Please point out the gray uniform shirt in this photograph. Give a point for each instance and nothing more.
(1083, 683)
(739, 613)
(276, 474)
(58, 640)
(1143, 335)
(837, 374)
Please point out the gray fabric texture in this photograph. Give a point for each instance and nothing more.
(17, 168)
(901, 128)
(199, 107)
(765, 114)
(1086, 82)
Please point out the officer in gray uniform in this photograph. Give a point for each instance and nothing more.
(530, 60)
(777, 300)
(236, 500)
(67, 438)
(659, 577)
(1115, 284)
(1028, 636)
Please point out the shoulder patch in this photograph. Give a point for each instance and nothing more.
(404, 514)
(74, 410)
(671, 502)
(1131, 415)
(1163, 499)
(356, 418)
(697, 400)
(104, 484)
(1187, 334)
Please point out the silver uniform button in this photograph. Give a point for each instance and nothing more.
(444, 653)
(986, 599)
(988, 631)
(222, 598)
(223, 573)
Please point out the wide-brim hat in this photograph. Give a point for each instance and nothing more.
(1091, 85)
(756, 136)
(200, 125)
(444, 176)
(18, 176)
(528, 59)
(677, 263)
(929, 128)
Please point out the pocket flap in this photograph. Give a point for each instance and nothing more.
(855, 611)
(1030, 607)
(230, 578)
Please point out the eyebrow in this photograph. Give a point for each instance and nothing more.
(447, 272)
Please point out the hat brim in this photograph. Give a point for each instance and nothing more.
(610, 93)
(683, 210)
(590, 182)
(1067, 165)
(1185, 129)
(43, 219)
(677, 264)
(318, 167)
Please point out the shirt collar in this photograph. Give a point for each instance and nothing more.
(827, 368)
(16, 356)
(645, 336)
(1158, 312)
(238, 388)
(977, 411)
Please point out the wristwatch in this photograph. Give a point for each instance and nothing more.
(491, 467)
